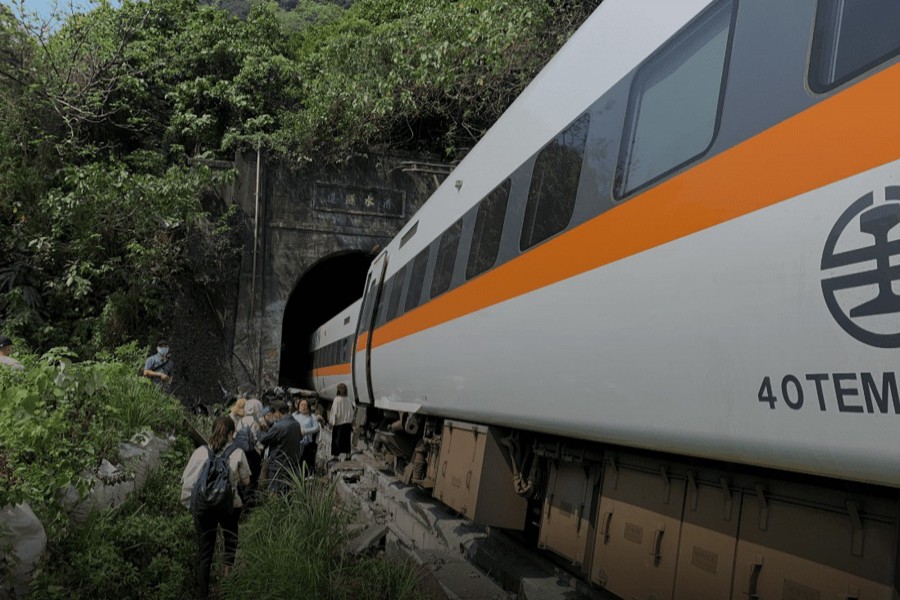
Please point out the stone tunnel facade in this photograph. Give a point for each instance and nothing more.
(309, 235)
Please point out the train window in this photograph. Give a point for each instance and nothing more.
(675, 101)
(446, 258)
(851, 38)
(381, 310)
(488, 228)
(345, 350)
(365, 313)
(554, 184)
(394, 305)
(409, 234)
(416, 280)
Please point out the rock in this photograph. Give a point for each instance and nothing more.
(23, 533)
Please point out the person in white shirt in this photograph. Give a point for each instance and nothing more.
(341, 420)
(206, 525)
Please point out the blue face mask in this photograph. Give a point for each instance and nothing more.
(162, 350)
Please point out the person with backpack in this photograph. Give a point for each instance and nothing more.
(209, 490)
(245, 414)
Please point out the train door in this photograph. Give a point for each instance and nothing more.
(362, 345)
(318, 378)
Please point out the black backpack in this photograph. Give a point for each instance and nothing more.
(245, 440)
(213, 491)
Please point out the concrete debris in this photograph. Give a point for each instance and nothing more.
(457, 578)
(109, 472)
(452, 552)
(372, 537)
(22, 533)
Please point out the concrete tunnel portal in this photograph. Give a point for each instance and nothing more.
(325, 289)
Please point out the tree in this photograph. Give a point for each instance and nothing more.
(103, 119)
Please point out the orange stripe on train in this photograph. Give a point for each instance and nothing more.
(342, 369)
(855, 130)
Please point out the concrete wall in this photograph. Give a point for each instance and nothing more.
(302, 216)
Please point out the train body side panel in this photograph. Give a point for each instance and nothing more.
(669, 350)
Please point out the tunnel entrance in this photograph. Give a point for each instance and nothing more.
(324, 290)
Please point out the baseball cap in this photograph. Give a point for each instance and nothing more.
(5, 341)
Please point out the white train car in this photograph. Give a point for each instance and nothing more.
(666, 278)
(331, 347)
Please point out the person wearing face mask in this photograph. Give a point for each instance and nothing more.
(158, 367)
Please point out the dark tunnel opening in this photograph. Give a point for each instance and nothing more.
(325, 289)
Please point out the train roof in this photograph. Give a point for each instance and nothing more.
(611, 43)
(337, 327)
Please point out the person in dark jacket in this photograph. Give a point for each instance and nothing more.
(284, 441)
(158, 368)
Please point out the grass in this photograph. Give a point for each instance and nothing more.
(294, 543)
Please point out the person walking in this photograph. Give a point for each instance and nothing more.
(341, 420)
(208, 517)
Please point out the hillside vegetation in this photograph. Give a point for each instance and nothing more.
(106, 119)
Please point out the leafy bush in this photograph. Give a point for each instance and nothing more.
(143, 549)
(99, 255)
(60, 418)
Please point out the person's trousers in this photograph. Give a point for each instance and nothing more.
(340, 439)
(206, 527)
(308, 459)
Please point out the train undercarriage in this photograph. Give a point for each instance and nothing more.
(649, 526)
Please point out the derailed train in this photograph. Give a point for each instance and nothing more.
(653, 310)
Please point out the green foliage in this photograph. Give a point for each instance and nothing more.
(307, 13)
(60, 418)
(142, 549)
(420, 74)
(99, 254)
(297, 541)
(101, 120)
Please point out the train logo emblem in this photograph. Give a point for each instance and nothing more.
(858, 278)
